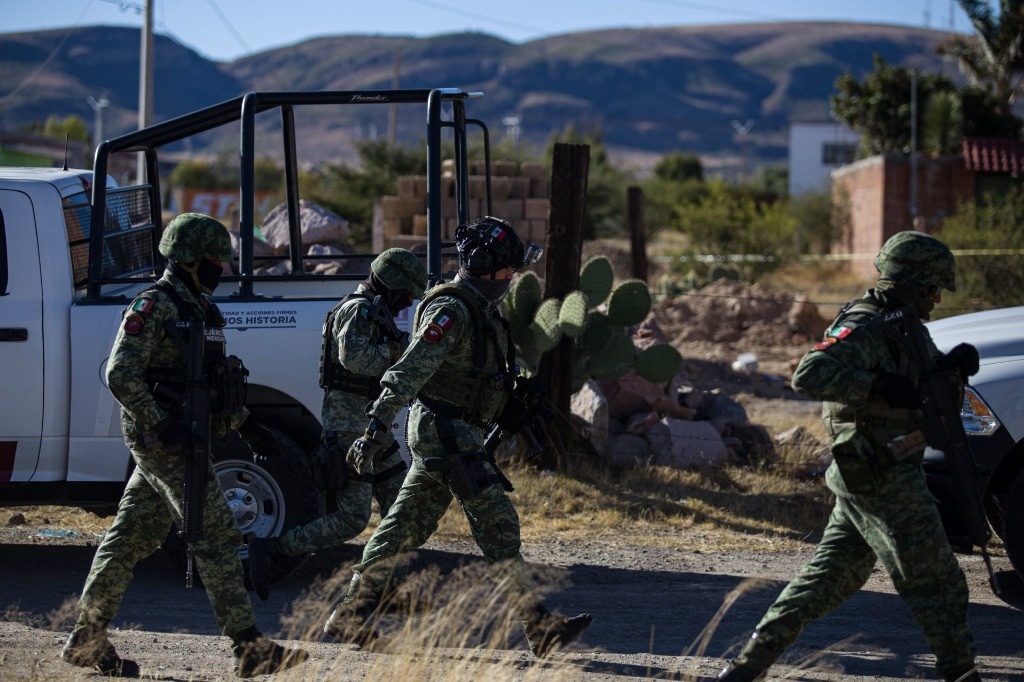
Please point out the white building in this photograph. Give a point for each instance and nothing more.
(815, 149)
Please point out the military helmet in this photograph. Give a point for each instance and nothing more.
(192, 236)
(490, 244)
(915, 259)
(400, 270)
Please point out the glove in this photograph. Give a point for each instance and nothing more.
(172, 434)
(963, 359)
(896, 389)
(258, 438)
(329, 464)
(366, 452)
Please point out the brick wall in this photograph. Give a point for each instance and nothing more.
(877, 192)
(519, 194)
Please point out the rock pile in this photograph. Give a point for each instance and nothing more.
(631, 421)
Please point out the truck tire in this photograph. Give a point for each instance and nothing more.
(267, 497)
(1013, 524)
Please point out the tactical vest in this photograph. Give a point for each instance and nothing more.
(225, 374)
(876, 417)
(334, 375)
(479, 394)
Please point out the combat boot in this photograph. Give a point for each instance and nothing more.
(261, 565)
(969, 675)
(88, 647)
(753, 662)
(257, 655)
(352, 618)
(547, 632)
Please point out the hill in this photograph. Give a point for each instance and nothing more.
(649, 91)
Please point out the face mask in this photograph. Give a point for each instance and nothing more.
(208, 274)
(492, 289)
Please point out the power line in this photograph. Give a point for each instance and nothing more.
(473, 15)
(230, 27)
(49, 58)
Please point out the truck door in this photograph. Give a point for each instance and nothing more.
(21, 339)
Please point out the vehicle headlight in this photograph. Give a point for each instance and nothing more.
(977, 417)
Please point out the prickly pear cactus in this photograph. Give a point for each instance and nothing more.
(545, 327)
(629, 304)
(572, 317)
(523, 300)
(658, 363)
(615, 358)
(604, 350)
(596, 279)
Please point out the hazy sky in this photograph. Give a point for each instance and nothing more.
(227, 29)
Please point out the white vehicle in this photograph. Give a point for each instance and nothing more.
(993, 417)
(64, 284)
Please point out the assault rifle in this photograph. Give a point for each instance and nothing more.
(943, 429)
(525, 415)
(381, 314)
(195, 415)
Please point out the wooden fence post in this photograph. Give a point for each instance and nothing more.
(637, 235)
(563, 259)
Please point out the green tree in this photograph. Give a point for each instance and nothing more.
(351, 192)
(994, 57)
(69, 127)
(679, 167)
(726, 222)
(994, 224)
(879, 107)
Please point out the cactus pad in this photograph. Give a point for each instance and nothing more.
(596, 278)
(629, 304)
(658, 363)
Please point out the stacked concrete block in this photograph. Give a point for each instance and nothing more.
(519, 194)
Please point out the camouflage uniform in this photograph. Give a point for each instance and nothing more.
(441, 351)
(460, 369)
(357, 343)
(884, 513)
(153, 497)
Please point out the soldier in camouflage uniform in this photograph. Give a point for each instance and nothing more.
(145, 355)
(459, 370)
(883, 510)
(360, 342)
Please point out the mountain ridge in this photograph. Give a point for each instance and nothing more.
(649, 91)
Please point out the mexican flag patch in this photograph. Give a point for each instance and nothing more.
(834, 336)
(437, 327)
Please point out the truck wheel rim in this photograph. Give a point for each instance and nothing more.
(256, 501)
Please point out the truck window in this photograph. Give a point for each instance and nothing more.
(128, 236)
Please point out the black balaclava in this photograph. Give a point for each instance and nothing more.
(492, 289)
(395, 299)
(203, 276)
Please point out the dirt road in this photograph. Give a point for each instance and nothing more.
(650, 608)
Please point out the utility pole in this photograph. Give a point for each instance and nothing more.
(145, 83)
(396, 69)
(98, 105)
(743, 129)
(913, 148)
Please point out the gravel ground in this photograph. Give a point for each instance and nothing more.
(652, 609)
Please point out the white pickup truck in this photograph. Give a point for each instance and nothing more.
(993, 417)
(64, 284)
